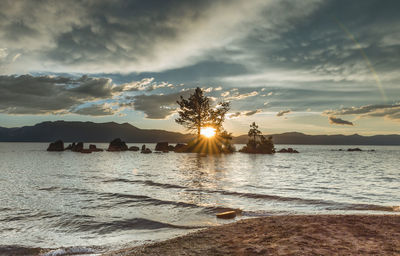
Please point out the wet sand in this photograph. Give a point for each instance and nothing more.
(286, 235)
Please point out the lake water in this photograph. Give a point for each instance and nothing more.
(109, 200)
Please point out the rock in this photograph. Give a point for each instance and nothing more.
(226, 215)
(289, 150)
(93, 148)
(86, 151)
(171, 148)
(56, 146)
(143, 147)
(117, 145)
(133, 148)
(146, 151)
(78, 147)
(162, 146)
(354, 149)
(180, 147)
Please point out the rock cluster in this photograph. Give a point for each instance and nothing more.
(117, 145)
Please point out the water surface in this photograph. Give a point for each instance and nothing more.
(108, 199)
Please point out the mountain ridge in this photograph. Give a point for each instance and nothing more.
(70, 131)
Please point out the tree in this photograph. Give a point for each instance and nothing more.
(196, 112)
(254, 132)
(261, 146)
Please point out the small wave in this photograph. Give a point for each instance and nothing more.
(97, 227)
(49, 188)
(146, 182)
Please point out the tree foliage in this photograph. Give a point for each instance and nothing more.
(258, 144)
(196, 112)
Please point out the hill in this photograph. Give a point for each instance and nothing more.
(88, 132)
(105, 132)
(355, 139)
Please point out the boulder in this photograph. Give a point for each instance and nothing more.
(133, 148)
(86, 151)
(56, 146)
(162, 146)
(77, 147)
(171, 148)
(146, 151)
(93, 148)
(180, 147)
(226, 215)
(289, 150)
(117, 145)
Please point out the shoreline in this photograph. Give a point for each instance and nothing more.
(285, 235)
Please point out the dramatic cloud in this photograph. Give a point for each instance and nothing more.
(50, 94)
(156, 106)
(93, 36)
(283, 112)
(387, 111)
(336, 120)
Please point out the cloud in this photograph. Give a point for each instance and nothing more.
(238, 96)
(336, 120)
(388, 111)
(120, 36)
(27, 94)
(95, 110)
(243, 113)
(156, 106)
(283, 112)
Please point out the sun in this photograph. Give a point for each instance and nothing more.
(207, 132)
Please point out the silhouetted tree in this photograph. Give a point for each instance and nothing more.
(261, 146)
(254, 132)
(196, 112)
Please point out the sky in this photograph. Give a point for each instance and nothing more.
(317, 67)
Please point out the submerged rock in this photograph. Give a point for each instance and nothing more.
(289, 150)
(86, 151)
(117, 145)
(93, 148)
(146, 151)
(354, 149)
(133, 148)
(56, 146)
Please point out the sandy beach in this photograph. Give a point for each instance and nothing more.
(286, 235)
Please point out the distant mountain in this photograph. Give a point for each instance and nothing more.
(105, 132)
(88, 132)
(300, 138)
